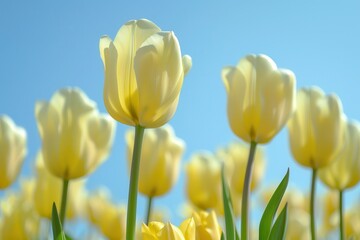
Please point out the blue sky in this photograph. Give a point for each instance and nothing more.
(49, 45)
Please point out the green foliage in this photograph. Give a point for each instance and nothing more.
(277, 231)
(230, 227)
(58, 232)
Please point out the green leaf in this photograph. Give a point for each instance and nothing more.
(222, 236)
(278, 230)
(58, 233)
(270, 210)
(231, 233)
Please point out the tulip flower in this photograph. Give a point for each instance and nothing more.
(13, 150)
(207, 226)
(159, 163)
(76, 139)
(344, 172)
(19, 218)
(108, 217)
(161, 231)
(261, 99)
(315, 133)
(144, 73)
(47, 190)
(203, 173)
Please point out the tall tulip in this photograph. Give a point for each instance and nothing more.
(344, 172)
(76, 138)
(144, 73)
(261, 99)
(13, 150)
(159, 163)
(315, 133)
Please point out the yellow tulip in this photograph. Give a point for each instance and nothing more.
(235, 157)
(203, 180)
(315, 129)
(161, 231)
(144, 73)
(109, 218)
(19, 219)
(352, 222)
(207, 226)
(13, 150)
(344, 172)
(76, 138)
(261, 98)
(188, 228)
(330, 205)
(160, 159)
(48, 190)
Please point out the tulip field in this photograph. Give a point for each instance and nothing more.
(230, 122)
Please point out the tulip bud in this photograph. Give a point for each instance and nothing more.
(161, 231)
(344, 172)
(12, 150)
(160, 159)
(203, 180)
(316, 128)
(144, 72)
(75, 137)
(261, 98)
(48, 189)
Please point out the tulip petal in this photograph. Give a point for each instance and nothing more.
(159, 76)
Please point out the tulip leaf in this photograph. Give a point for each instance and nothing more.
(278, 230)
(271, 208)
(58, 232)
(222, 236)
(231, 233)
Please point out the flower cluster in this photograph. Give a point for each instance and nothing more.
(144, 70)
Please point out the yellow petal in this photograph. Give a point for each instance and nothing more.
(159, 76)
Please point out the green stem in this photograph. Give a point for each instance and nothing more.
(342, 237)
(312, 205)
(246, 194)
(63, 201)
(134, 181)
(148, 212)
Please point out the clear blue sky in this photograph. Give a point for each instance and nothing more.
(47, 45)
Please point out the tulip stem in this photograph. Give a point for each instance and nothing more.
(134, 181)
(148, 212)
(312, 204)
(341, 206)
(63, 201)
(245, 225)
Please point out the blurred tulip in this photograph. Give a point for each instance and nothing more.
(144, 72)
(235, 157)
(12, 150)
(344, 172)
(298, 225)
(75, 137)
(161, 231)
(203, 173)
(315, 129)
(109, 218)
(160, 160)
(19, 219)
(352, 220)
(330, 205)
(261, 98)
(48, 190)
